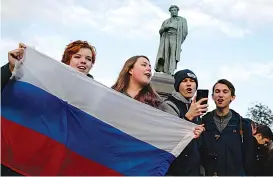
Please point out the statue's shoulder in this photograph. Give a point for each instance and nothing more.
(182, 18)
(166, 20)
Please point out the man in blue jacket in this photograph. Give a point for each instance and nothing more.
(228, 148)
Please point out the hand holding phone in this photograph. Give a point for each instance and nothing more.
(198, 109)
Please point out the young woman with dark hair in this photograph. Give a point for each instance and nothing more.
(134, 81)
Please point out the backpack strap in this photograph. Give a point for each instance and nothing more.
(173, 106)
(240, 124)
(241, 129)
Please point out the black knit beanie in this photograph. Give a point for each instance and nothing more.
(179, 76)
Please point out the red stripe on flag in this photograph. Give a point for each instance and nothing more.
(31, 153)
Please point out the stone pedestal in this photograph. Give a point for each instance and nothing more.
(163, 84)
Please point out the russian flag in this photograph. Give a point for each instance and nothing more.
(56, 121)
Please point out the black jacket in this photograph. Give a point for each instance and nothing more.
(260, 158)
(227, 153)
(189, 161)
(269, 164)
(5, 75)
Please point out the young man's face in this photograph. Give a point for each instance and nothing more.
(187, 88)
(222, 96)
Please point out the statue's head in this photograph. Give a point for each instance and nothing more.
(174, 10)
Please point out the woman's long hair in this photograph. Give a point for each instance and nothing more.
(146, 94)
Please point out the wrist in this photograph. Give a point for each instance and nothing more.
(188, 116)
(11, 68)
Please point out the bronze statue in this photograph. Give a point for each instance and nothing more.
(173, 32)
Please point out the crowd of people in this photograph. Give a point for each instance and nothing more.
(225, 143)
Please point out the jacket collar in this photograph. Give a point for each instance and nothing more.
(89, 75)
(208, 118)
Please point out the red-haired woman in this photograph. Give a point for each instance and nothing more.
(80, 55)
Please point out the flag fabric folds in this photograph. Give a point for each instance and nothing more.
(57, 121)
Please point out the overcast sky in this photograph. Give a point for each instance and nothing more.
(231, 39)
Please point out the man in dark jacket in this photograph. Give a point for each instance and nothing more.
(189, 161)
(227, 148)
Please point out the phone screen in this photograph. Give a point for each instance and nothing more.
(202, 93)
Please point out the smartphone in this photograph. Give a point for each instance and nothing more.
(202, 93)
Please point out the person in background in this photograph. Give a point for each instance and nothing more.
(134, 81)
(228, 148)
(189, 161)
(263, 136)
(80, 55)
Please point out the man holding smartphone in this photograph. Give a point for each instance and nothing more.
(189, 161)
(227, 147)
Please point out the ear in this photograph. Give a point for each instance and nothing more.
(232, 98)
(258, 135)
(131, 71)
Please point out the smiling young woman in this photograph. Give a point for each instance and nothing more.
(80, 55)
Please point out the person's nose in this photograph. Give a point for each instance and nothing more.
(83, 60)
(221, 94)
(149, 68)
(189, 83)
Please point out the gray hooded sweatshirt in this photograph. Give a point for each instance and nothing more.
(179, 97)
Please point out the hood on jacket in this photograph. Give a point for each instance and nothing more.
(180, 97)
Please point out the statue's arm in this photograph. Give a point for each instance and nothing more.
(185, 29)
(162, 29)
